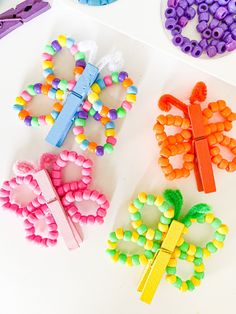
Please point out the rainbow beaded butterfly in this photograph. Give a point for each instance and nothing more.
(164, 244)
(56, 205)
(79, 99)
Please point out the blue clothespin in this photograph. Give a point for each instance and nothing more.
(96, 2)
(74, 101)
(24, 12)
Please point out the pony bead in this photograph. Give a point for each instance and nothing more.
(56, 206)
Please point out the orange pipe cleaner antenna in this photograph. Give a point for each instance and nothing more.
(166, 101)
(199, 93)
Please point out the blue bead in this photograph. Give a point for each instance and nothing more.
(69, 42)
(84, 145)
(132, 90)
(54, 114)
(101, 84)
(46, 72)
(52, 93)
(97, 105)
(110, 125)
(17, 107)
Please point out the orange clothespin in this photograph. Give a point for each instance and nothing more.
(198, 139)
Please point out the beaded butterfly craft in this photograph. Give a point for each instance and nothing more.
(198, 139)
(96, 2)
(165, 243)
(81, 96)
(56, 205)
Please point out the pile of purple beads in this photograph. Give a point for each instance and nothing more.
(216, 25)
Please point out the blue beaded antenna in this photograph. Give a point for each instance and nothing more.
(96, 2)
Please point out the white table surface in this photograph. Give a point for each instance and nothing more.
(35, 280)
(142, 20)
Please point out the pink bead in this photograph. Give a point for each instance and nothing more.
(107, 80)
(86, 195)
(111, 140)
(70, 197)
(56, 167)
(80, 160)
(78, 130)
(71, 84)
(47, 56)
(52, 227)
(74, 186)
(76, 217)
(101, 200)
(94, 195)
(53, 234)
(30, 231)
(87, 105)
(65, 202)
(83, 219)
(13, 183)
(99, 220)
(6, 186)
(86, 179)
(39, 214)
(50, 219)
(14, 207)
(74, 49)
(90, 219)
(35, 202)
(26, 96)
(30, 207)
(44, 242)
(28, 179)
(72, 210)
(30, 237)
(42, 120)
(66, 187)
(51, 242)
(6, 205)
(82, 185)
(64, 155)
(106, 205)
(87, 163)
(41, 199)
(60, 191)
(38, 239)
(32, 218)
(19, 180)
(3, 200)
(72, 156)
(56, 182)
(78, 196)
(27, 223)
(101, 212)
(86, 172)
(56, 174)
(126, 105)
(61, 163)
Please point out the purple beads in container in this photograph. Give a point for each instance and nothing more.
(216, 25)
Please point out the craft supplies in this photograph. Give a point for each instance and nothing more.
(79, 99)
(56, 207)
(197, 138)
(24, 12)
(165, 243)
(216, 26)
(96, 2)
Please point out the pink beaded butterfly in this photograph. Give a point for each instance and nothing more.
(57, 206)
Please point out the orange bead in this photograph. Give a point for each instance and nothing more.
(174, 150)
(23, 114)
(215, 151)
(180, 148)
(221, 104)
(219, 137)
(104, 111)
(223, 164)
(207, 130)
(186, 134)
(232, 117)
(167, 170)
(127, 82)
(213, 127)
(104, 120)
(220, 126)
(178, 121)
(162, 119)
(170, 176)
(186, 173)
(188, 157)
(78, 70)
(207, 113)
(170, 119)
(234, 150)
(50, 78)
(226, 141)
(211, 140)
(57, 107)
(171, 139)
(217, 159)
(214, 106)
(179, 138)
(188, 165)
(92, 147)
(231, 167)
(161, 137)
(165, 152)
(187, 147)
(228, 125)
(226, 112)
(178, 173)
(45, 89)
(158, 128)
(163, 161)
(232, 143)
(185, 124)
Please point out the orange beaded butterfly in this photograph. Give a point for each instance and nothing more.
(198, 140)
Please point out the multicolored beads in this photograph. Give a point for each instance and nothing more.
(216, 26)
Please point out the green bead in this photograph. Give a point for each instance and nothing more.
(141, 240)
(156, 247)
(122, 258)
(190, 285)
(80, 122)
(165, 220)
(197, 261)
(135, 260)
(121, 112)
(136, 216)
(142, 229)
(108, 148)
(184, 247)
(201, 220)
(216, 223)
(111, 252)
(112, 237)
(63, 85)
(30, 90)
(199, 275)
(210, 246)
(92, 112)
(150, 199)
(219, 237)
(199, 252)
(138, 204)
(178, 282)
(164, 207)
(50, 50)
(34, 121)
(79, 56)
(183, 255)
(171, 270)
(158, 235)
(148, 254)
(127, 235)
(115, 77)
(187, 223)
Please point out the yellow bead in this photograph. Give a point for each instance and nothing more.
(185, 230)
(142, 197)
(20, 101)
(172, 262)
(191, 250)
(148, 245)
(59, 95)
(184, 287)
(92, 97)
(176, 252)
(111, 245)
(190, 258)
(195, 281)
(162, 227)
(129, 261)
(135, 236)
(171, 279)
(47, 64)
(132, 209)
(115, 257)
(169, 213)
(131, 98)
(206, 253)
(180, 241)
(62, 40)
(209, 218)
(119, 233)
(143, 260)
(223, 229)
(96, 88)
(150, 234)
(79, 138)
(49, 119)
(199, 268)
(110, 132)
(159, 200)
(136, 224)
(218, 244)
